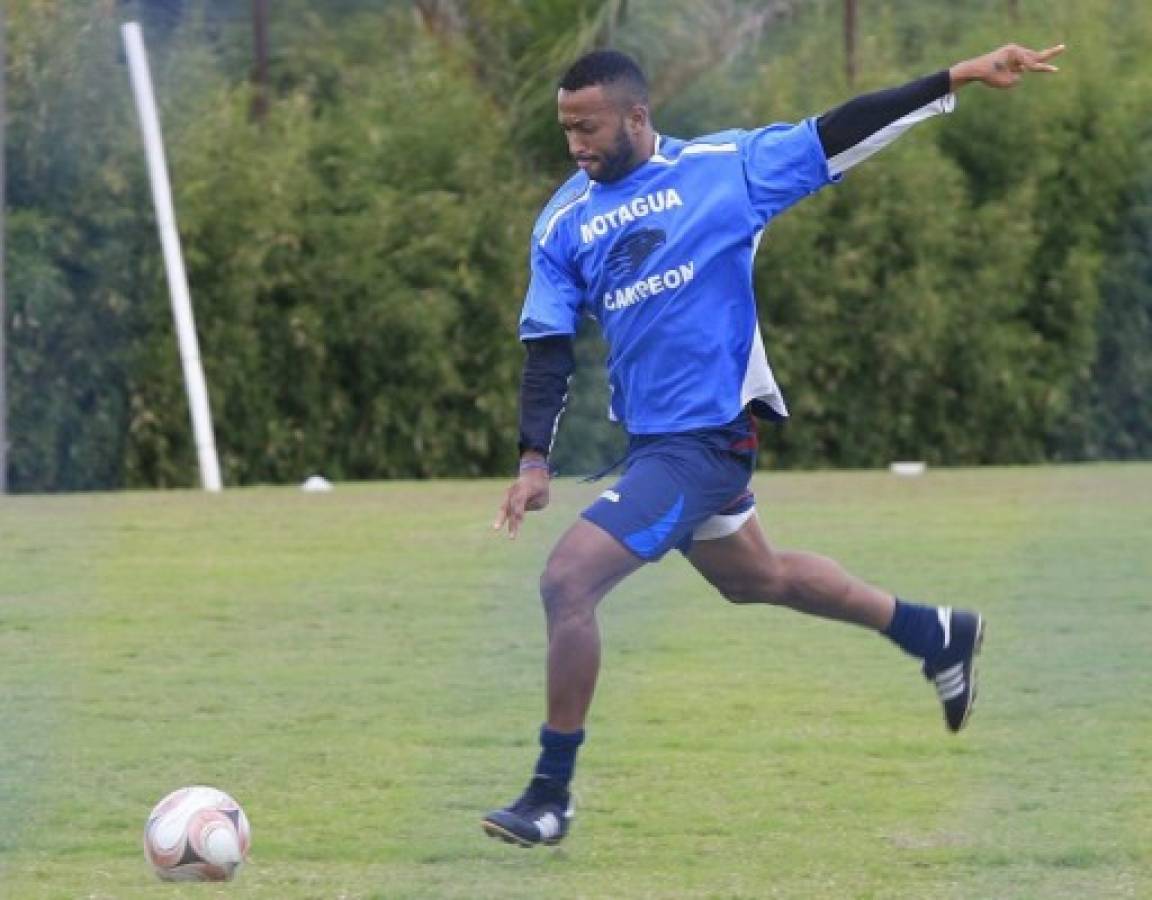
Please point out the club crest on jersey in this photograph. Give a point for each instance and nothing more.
(629, 253)
(634, 209)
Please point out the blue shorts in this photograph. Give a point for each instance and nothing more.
(680, 487)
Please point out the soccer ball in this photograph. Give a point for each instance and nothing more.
(196, 834)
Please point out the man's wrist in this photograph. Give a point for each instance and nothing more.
(532, 461)
(966, 72)
(960, 74)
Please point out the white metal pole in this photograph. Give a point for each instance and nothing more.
(173, 257)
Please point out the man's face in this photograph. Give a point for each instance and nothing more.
(604, 130)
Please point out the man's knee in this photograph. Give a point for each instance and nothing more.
(566, 591)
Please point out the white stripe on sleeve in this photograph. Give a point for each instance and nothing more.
(876, 142)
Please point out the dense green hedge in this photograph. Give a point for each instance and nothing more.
(979, 293)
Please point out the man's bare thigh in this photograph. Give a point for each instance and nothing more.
(737, 564)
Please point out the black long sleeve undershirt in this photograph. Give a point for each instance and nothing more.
(548, 366)
(857, 120)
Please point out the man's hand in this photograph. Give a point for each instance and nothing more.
(528, 493)
(1002, 68)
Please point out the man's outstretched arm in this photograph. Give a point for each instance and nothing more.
(861, 127)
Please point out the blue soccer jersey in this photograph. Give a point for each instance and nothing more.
(662, 259)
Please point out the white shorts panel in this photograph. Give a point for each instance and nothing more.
(721, 526)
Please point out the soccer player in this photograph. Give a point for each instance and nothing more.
(654, 238)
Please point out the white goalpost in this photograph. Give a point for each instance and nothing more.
(194, 383)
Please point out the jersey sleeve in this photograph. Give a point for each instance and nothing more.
(555, 295)
(783, 164)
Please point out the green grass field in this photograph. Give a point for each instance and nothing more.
(363, 670)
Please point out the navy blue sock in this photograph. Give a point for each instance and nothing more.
(916, 629)
(558, 758)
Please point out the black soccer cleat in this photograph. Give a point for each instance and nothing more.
(541, 815)
(953, 669)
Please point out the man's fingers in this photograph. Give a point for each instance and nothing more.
(515, 517)
(509, 518)
(511, 513)
(520, 498)
(505, 512)
(1037, 64)
(1035, 61)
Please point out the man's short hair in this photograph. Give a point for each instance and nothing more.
(607, 67)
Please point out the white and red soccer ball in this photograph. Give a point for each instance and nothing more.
(197, 834)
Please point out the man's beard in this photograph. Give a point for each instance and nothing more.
(621, 161)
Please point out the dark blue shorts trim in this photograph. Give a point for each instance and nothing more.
(673, 483)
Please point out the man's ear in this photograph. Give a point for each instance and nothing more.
(638, 117)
